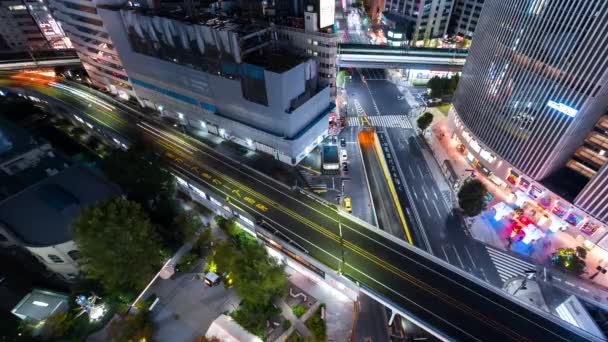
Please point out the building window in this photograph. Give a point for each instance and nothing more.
(74, 254)
(55, 258)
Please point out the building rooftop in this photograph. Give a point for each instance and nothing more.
(39, 304)
(275, 60)
(41, 215)
(14, 141)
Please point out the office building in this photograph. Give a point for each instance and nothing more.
(320, 46)
(428, 18)
(18, 29)
(40, 196)
(223, 75)
(530, 108)
(465, 16)
(86, 30)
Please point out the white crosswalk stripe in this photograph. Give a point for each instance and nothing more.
(508, 266)
(392, 121)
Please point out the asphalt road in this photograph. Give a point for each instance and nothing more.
(436, 228)
(444, 299)
(386, 211)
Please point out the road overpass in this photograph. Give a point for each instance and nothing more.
(442, 299)
(389, 57)
(38, 59)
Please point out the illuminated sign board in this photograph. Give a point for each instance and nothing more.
(562, 108)
(327, 10)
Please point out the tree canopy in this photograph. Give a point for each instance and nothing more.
(424, 121)
(569, 259)
(441, 86)
(119, 246)
(143, 177)
(471, 197)
(341, 78)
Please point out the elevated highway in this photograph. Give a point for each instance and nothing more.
(444, 300)
(38, 59)
(387, 57)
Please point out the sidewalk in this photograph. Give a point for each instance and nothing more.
(485, 229)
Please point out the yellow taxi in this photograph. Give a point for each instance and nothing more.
(347, 205)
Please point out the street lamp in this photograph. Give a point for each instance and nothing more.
(600, 269)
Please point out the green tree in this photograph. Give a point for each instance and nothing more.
(225, 256)
(188, 225)
(144, 178)
(57, 325)
(257, 277)
(341, 78)
(471, 197)
(569, 260)
(452, 84)
(119, 246)
(424, 121)
(132, 328)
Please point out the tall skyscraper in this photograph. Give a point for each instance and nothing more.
(91, 41)
(532, 101)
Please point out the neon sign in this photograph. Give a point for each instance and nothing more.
(562, 108)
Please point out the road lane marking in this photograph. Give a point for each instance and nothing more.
(427, 208)
(425, 194)
(445, 254)
(458, 256)
(435, 194)
(470, 256)
(388, 265)
(437, 209)
(507, 265)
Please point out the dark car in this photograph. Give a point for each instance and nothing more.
(342, 142)
(344, 166)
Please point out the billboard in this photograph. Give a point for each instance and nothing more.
(327, 10)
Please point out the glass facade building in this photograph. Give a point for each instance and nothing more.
(530, 108)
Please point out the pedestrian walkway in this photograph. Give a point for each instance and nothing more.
(509, 266)
(391, 121)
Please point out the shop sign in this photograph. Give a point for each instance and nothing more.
(573, 219)
(535, 191)
(524, 183)
(589, 228)
(512, 177)
(470, 157)
(559, 210)
(546, 202)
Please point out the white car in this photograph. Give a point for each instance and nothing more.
(344, 155)
(400, 98)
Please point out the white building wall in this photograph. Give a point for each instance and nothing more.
(67, 267)
(323, 47)
(85, 28)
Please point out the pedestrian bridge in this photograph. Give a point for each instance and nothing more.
(390, 57)
(38, 59)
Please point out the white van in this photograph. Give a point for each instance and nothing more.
(212, 279)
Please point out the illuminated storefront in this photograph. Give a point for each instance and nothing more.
(545, 209)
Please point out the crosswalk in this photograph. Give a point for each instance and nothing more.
(508, 266)
(392, 121)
